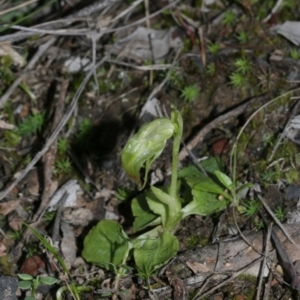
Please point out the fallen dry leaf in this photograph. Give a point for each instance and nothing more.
(137, 45)
(8, 207)
(32, 264)
(79, 216)
(197, 267)
(5, 125)
(68, 244)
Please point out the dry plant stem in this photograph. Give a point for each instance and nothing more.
(264, 264)
(56, 132)
(94, 7)
(17, 7)
(242, 235)
(294, 112)
(142, 68)
(274, 10)
(231, 278)
(279, 224)
(201, 289)
(258, 110)
(158, 88)
(84, 31)
(268, 285)
(42, 49)
(126, 11)
(202, 47)
(50, 156)
(146, 4)
(216, 122)
(55, 231)
(284, 259)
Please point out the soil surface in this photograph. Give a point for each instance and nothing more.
(79, 79)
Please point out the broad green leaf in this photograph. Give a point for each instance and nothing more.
(154, 253)
(145, 146)
(151, 234)
(206, 184)
(144, 216)
(209, 165)
(212, 164)
(25, 285)
(204, 204)
(189, 171)
(224, 179)
(25, 276)
(49, 280)
(105, 244)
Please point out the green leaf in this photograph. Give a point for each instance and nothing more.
(145, 146)
(224, 179)
(206, 184)
(49, 280)
(144, 216)
(106, 244)
(154, 253)
(25, 276)
(209, 165)
(25, 285)
(203, 204)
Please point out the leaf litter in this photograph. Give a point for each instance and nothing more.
(107, 49)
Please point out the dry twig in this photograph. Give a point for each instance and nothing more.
(216, 122)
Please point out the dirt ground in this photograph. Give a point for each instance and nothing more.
(80, 78)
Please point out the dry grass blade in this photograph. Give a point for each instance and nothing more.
(17, 7)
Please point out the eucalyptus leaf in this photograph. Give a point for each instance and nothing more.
(106, 244)
(154, 253)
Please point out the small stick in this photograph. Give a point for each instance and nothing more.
(50, 156)
(284, 131)
(216, 122)
(241, 271)
(267, 250)
(284, 259)
(279, 224)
